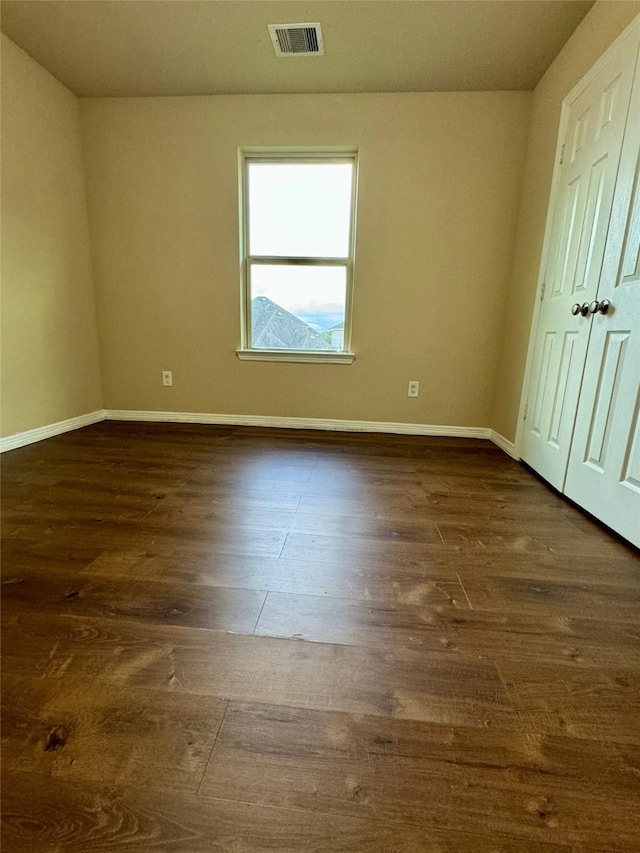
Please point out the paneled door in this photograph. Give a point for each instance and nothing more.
(604, 464)
(595, 117)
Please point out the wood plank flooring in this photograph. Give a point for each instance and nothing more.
(232, 639)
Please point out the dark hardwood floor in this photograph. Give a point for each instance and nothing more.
(231, 639)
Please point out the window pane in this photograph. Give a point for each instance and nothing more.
(297, 307)
(299, 209)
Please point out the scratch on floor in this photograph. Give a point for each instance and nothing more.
(124, 670)
(465, 591)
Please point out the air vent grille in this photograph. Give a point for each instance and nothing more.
(297, 39)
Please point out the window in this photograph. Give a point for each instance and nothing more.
(297, 264)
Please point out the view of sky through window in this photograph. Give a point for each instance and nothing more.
(298, 210)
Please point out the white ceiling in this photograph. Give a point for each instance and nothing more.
(196, 47)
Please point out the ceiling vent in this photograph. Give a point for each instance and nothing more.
(297, 39)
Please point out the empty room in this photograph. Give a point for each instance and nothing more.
(320, 426)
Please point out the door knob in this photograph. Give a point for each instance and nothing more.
(602, 307)
(580, 309)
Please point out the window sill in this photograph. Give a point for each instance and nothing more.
(321, 357)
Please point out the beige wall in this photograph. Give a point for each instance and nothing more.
(440, 295)
(440, 179)
(50, 356)
(598, 30)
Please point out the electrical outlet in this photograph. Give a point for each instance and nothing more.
(167, 377)
(413, 389)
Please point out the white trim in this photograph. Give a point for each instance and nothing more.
(300, 423)
(504, 444)
(308, 357)
(268, 155)
(22, 439)
(30, 436)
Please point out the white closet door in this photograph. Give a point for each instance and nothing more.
(595, 123)
(604, 464)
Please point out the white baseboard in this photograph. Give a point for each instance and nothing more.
(504, 444)
(299, 423)
(30, 436)
(21, 439)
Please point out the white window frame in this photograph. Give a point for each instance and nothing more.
(246, 351)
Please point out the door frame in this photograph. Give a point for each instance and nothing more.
(562, 128)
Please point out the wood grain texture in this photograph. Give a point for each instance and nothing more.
(88, 817)
(109, 734)
(358, 623)
(400, 682)
(235, 639)
(218, 608)
(601, 703)
(446, 622)
(434, 776)
(601, 601)
(422, 585)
